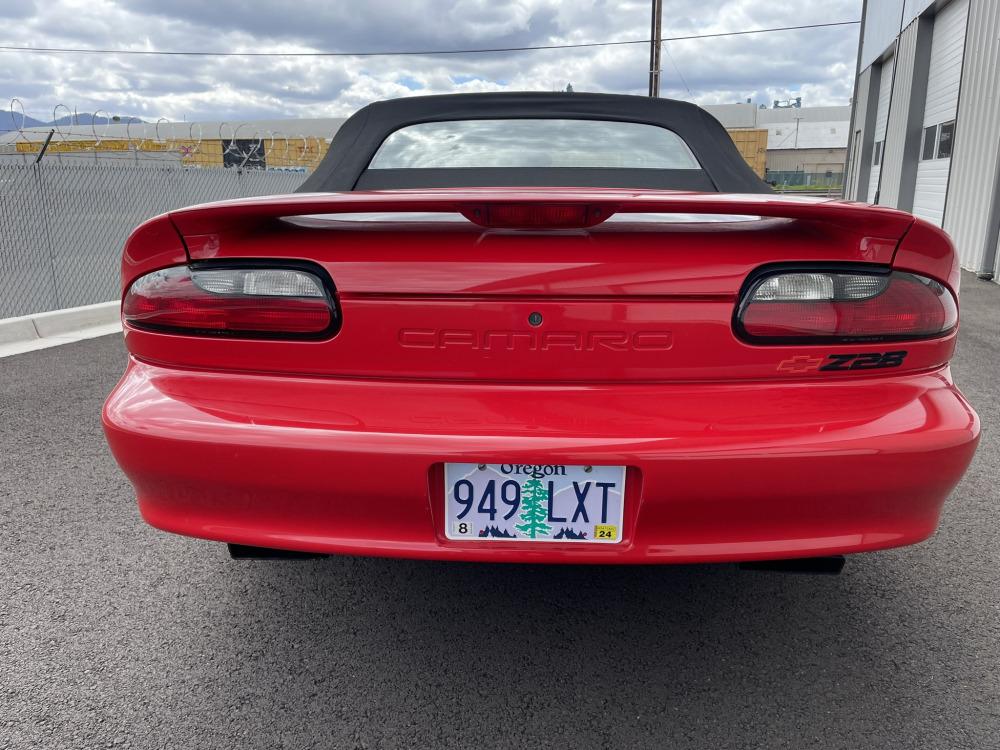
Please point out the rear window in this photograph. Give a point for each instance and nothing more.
(528, 143)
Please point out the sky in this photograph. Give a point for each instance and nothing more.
(816, 64)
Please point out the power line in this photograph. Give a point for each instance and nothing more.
(185, 53)
(679, 74)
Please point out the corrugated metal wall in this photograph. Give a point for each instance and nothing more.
(881, 121)
(974, 163)
(996, 258)
(899, 112)
(857, 174)
(884, 95)
(946, 63)
(941, 105)
(972, 185)
(883, 20)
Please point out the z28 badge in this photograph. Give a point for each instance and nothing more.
(868, 361)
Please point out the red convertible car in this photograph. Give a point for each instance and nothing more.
(546, 328)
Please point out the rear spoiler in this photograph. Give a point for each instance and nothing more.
(541, 208)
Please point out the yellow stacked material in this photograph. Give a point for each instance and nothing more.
(752, 145)
(278, 152)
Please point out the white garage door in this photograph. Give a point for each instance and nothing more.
(947, 46)
(881, 121)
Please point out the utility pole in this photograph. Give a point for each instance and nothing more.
(656, 39)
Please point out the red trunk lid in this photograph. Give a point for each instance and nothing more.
(648, 295)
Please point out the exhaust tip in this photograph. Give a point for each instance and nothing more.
(244, 552)
(829, 566)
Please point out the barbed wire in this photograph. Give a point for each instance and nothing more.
(241, 144)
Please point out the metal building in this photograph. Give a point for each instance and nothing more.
(806, 146)
(925, 126)
(262, 144)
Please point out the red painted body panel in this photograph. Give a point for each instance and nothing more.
(734, 451)
(434, 301)
(155, 243)
(927, 250)
(490, 340)
(716, 471)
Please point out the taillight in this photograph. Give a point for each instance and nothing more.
(267, 302)
(815, 306)
(537, 215)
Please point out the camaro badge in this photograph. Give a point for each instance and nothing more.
(535, 341)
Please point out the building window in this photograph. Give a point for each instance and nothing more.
(946, 136)
(937, 141)
(877, 154)
(930, 143)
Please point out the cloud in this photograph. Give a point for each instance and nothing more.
(817, 64)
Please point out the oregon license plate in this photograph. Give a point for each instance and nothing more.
(534, 502)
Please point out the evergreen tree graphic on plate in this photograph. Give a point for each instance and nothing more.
(533, 510)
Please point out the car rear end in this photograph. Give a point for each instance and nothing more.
(559, 375)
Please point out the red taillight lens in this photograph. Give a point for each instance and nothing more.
(272, 302)
(537, 215)
(822, 306)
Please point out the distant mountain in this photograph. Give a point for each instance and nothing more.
(10, 121)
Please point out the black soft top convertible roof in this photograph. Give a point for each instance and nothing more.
(345, 167)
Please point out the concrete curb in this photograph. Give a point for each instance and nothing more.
(42, 330)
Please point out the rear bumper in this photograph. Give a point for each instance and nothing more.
(715, 471)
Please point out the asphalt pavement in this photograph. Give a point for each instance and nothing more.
(113, 634)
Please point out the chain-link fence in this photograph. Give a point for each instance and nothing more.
(62, 227)
(828, 179)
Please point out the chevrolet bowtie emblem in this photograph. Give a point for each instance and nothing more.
(800, 363)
